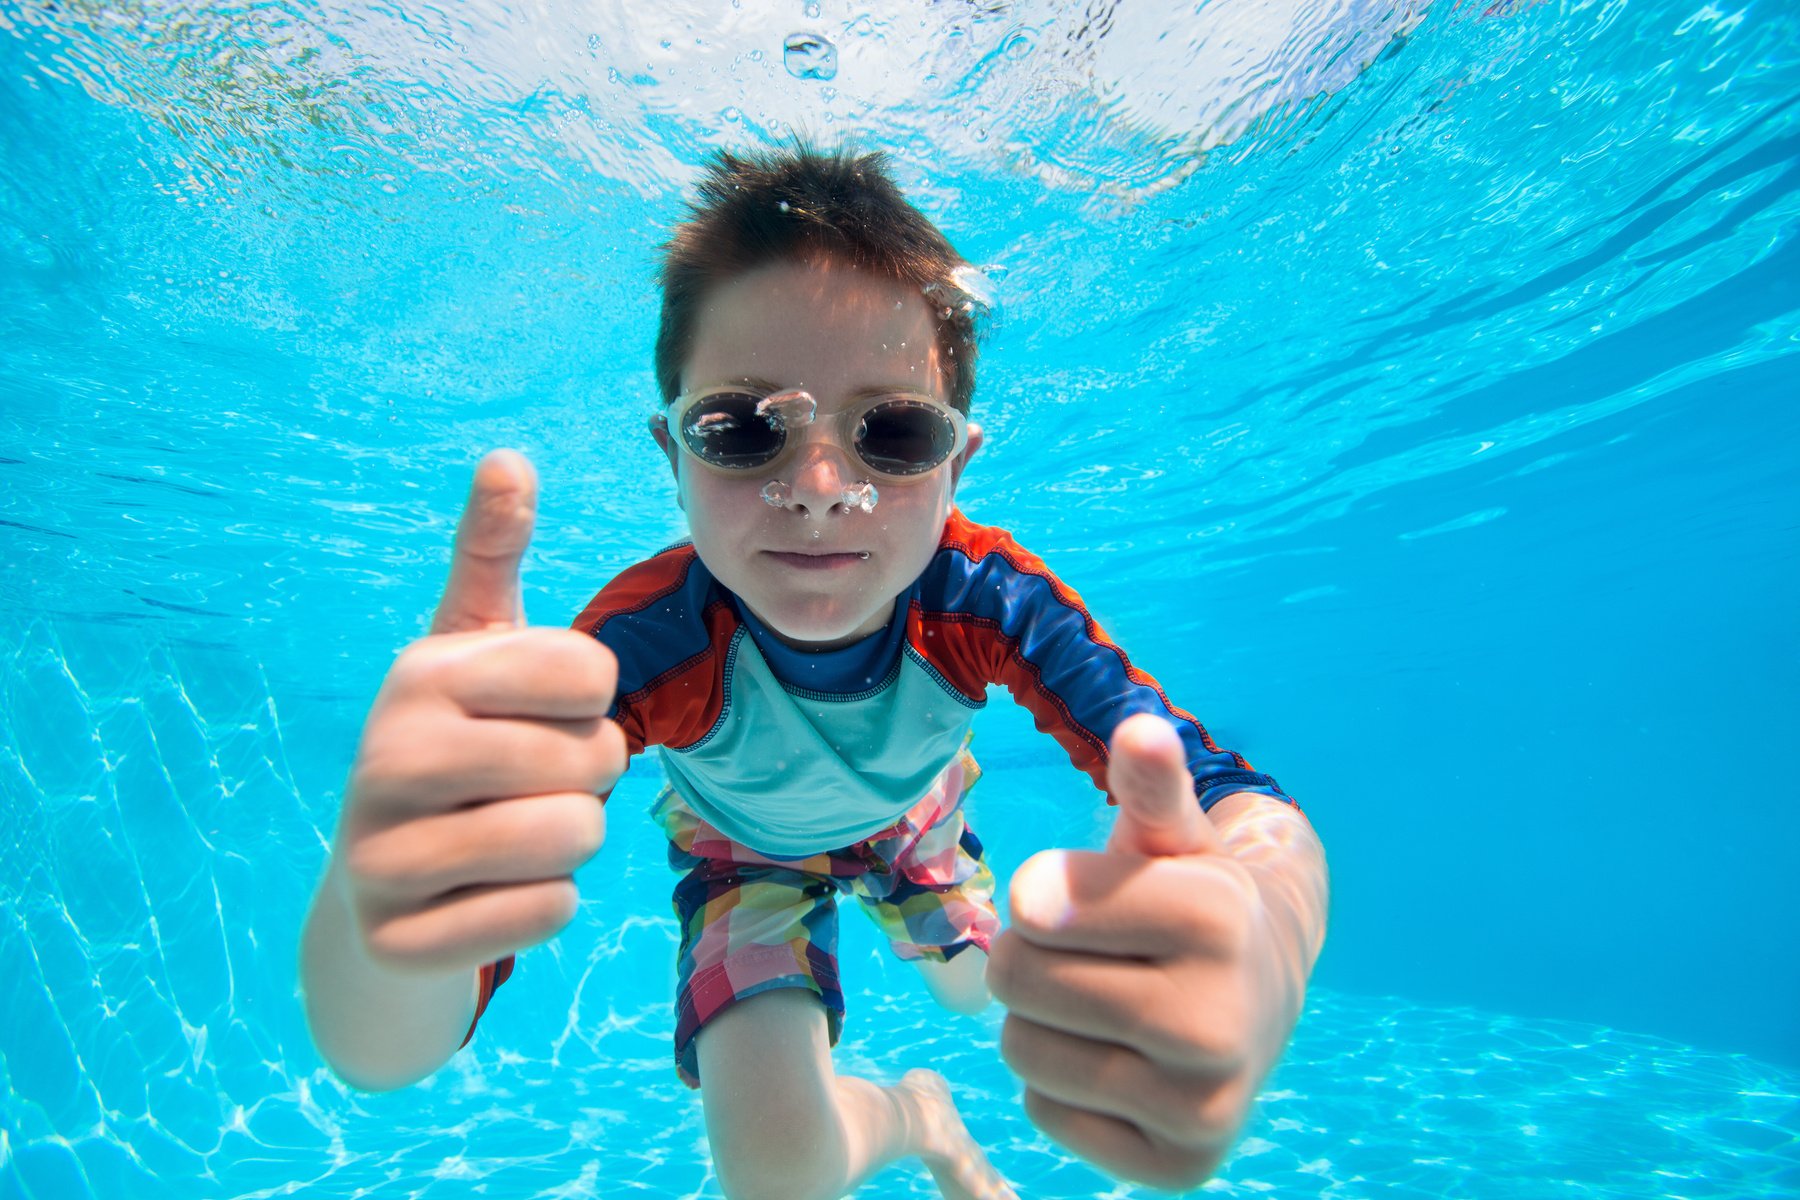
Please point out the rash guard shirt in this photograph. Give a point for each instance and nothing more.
(793, 752)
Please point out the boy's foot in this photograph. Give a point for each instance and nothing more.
(958, 1165)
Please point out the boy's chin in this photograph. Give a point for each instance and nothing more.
(817, 631)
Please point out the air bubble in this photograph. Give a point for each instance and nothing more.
(777, 494)
(790, 408)
(861, 495)
(810, 56)
(812, 9)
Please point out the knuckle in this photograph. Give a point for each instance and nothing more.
(533, 828)
(1221, 1109)
(536, 913)
(610, 753)
(1214, 1037)
(1180, 1170)
(390, 758)
(1181, 1033)
(553, 907)
(390, 863)
(1213, 909)
(406, 667)
(603, 664)
(567, 757)
(1194, 1114)
(586, 665)
(422, 667)
(366, 867)
(389, 946)
(593, 827)
(1015, 1045)
(573, 827)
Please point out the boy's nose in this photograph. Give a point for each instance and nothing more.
(821, 473)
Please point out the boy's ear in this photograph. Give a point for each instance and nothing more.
(968, 451)
(659, 429)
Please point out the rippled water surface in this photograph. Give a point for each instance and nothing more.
(1411, 388)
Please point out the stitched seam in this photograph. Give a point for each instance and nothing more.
(936, 676)
(804, 693)
(731, 654)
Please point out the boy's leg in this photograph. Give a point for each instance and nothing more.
(936, 905)
(783, 1124)
(756, 970)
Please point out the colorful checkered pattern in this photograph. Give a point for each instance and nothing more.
(750, 923)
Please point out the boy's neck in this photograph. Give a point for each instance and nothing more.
(808, 647)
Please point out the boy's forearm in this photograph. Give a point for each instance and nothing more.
(377, 1029)
(1277, 844)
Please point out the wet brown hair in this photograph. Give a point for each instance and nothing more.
(801, 203)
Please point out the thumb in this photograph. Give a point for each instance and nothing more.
(483, 591)
(1148, 776)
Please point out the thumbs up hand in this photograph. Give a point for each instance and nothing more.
(473, 796)
(1147, 991)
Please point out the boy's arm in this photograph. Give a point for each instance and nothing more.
(995, 613)
(1152, 986)
(471, 803)
(378, 1028)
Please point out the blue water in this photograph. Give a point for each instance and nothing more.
(1413, 391)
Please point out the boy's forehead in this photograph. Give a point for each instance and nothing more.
(819, 325)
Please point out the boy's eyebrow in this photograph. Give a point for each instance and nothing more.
(757, 383)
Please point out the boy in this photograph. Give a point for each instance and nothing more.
(808, 665)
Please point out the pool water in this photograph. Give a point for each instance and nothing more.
(1412, 390)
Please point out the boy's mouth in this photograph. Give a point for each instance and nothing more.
(813, 560)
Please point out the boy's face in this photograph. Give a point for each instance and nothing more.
(838, 333)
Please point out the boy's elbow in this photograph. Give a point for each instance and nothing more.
(369, 1059)
(365, 1078)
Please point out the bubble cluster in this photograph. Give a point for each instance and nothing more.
(860, 495)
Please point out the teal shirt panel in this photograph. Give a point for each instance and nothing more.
(792, 773)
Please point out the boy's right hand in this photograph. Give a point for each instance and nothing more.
(476, 788)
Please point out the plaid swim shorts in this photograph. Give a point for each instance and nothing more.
(751, 924)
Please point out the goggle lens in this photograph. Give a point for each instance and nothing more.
(905, 437)
(727, 430)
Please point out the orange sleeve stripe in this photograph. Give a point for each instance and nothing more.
(680, 703)
(978, 541)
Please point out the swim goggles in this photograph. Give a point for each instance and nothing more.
(896, 435)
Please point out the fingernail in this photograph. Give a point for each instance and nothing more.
(1040, 892)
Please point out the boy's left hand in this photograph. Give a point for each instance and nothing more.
(1150, 986)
